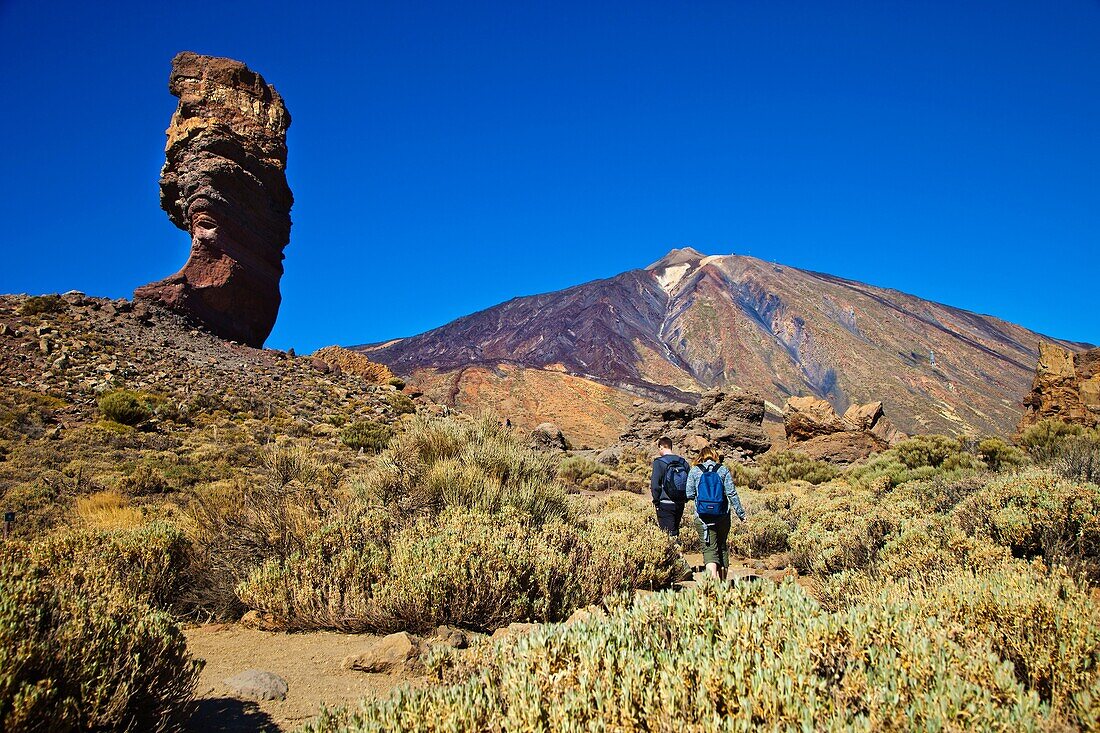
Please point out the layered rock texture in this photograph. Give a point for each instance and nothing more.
(224, 182)
(815, 429)
(339, 359)
(691, 322)
(1066, 387)
(730, 421)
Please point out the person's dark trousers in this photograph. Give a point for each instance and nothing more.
(669, 515)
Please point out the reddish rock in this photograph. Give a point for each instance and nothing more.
(1066, 387)
(815, 429)
(808, 417)
(224, 182)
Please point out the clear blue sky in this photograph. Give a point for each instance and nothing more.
(445, 157)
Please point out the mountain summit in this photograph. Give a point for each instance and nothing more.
(581, 356)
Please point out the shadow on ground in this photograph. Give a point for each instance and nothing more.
(229, 715)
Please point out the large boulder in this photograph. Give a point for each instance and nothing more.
(224, 183)
(548, 437)
(730, 421)
(398, 652)
(1066, 387)
(810, 417)
(815, 429)
(257, 684)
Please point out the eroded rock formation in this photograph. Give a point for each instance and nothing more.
(730, 421)
(351, 362)
(815, 429)
(224, 183)
(1066, 387)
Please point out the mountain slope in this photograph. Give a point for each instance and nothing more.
(689, 321)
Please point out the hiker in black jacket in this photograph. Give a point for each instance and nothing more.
(667, 486)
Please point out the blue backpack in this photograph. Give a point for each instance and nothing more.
(710, 499)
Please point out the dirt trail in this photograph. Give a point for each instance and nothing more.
(311, 665)
(309, 662)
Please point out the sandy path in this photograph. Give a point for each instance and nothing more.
(309, 662)
(311, 665)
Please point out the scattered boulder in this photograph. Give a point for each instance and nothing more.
(815, 429)
(398, 652)
(257, 684)
(451, 637)
(224, 183)
(730, 421)
(584, 614)
(515, 629)
(1066, 387)
(548, 437)
(610, 457)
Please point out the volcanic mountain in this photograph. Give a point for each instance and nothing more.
(581, 357)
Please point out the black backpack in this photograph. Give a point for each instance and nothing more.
(674, 483)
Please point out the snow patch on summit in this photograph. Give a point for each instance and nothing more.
(670, 277)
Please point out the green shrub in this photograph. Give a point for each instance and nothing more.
(396, 382)
(999, 455)
(1043, 440)
(748, 657)
(576, 469)
(401, 403)
(1037, 513)
(434, 464)
(466, 568)
(926, 450)
(372, 437)
(87, 657)
(38, 304)
(147, 564)
(794, 466)
(1078, 457)
(237, 526)
(125, 407)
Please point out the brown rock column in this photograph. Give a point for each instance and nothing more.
(224, 182)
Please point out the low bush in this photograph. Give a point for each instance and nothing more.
(576, 469)
(372, 437)
(36, 305)
(794, 466)
(437, 463)
(998, 455)
(367, 572)
(125, 407)
(236, 526)
(752, 656)
(1078, 457)
(1043, 440)
(1037, 513)
(77, 656)
(401, 403)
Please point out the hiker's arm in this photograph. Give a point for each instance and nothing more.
(658, 476)
(692, 488)
(731, 494)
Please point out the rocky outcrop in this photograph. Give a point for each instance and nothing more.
(730, 421)
(548, 437)
(224, 183)
(815, 429)
(352, 362)
(1066, 387)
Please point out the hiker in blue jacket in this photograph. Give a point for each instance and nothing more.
(710, 486)
(667, 486)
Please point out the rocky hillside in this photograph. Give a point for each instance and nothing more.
(691, 322)
(200, 410)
